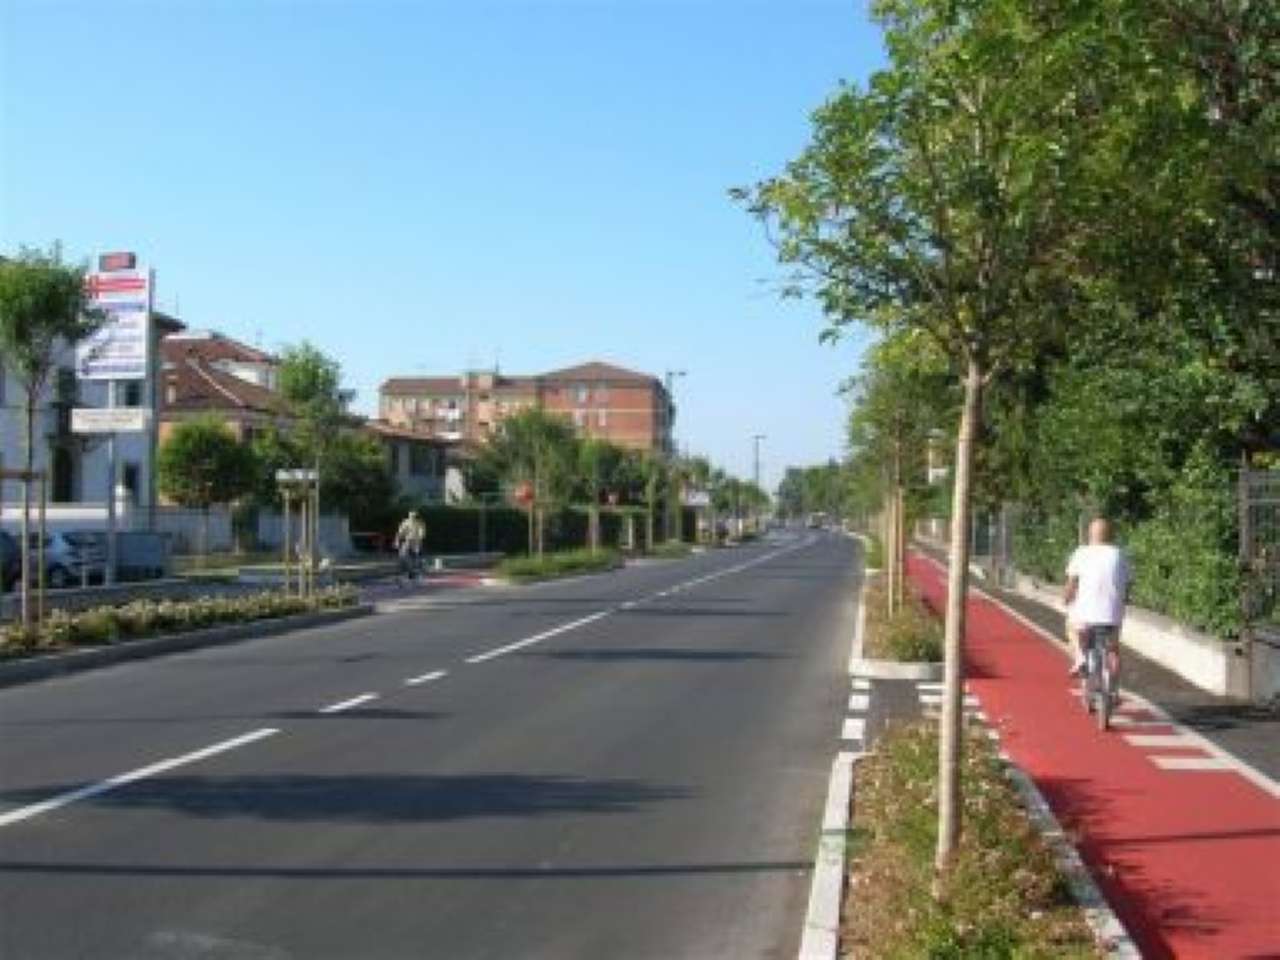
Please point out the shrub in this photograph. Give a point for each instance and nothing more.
(562, 564)
(141, 618)
(912, 635)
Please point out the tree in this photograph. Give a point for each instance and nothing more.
(541, 449)
(932, 203)
(311, 384)
(203, 463)
(43, 310)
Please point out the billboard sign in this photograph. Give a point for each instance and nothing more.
(120, 348)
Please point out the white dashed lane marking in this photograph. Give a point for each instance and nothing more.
(348, 704)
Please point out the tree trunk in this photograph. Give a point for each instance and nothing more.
(593, 527)
(957, 588)
(900, 540)
(29, 456)
(888, 553)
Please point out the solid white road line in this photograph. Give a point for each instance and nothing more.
(123, 779)
(348, 704)
(426, 677)
(1191, 763)
(538, 637)
(859, 702)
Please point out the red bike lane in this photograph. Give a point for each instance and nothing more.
(1185, 848)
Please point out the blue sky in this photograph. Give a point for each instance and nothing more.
(423, 187)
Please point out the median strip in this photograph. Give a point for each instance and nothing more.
(123, 779)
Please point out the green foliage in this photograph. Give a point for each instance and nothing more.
(42, 303)
(202, 463)
(874, 560)
(144, 618)
(1004, 897)
(913, 634)
(562, 564)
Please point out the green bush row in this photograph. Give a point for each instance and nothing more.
(1183, 549)
(144, 618)
(562, 564)
(458, 529)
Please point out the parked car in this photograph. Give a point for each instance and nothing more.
(10, 561)
(72, 558)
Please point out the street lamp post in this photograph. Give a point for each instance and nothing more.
(755, 440)
(673, 495)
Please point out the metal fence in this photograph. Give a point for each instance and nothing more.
(1260, 551)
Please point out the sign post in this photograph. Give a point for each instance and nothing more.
(119, 350)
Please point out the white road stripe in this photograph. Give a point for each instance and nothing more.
(1192, 763)
(348, 704)
(861, 683)
(426, 677)
(123, 779)
(538, 637)
(859, 702)
(855, 728)
(1120, 720)
(1160, 740)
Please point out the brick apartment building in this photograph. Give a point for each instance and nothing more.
(603, 401)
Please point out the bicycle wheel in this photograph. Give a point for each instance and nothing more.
(1104, 695)
(1087, 682)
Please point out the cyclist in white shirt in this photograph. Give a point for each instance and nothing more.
(1097, 589)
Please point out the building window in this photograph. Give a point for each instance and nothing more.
(579, 418)
(602, 417)
(583, 393)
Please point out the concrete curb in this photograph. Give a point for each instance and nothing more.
(58, 664)
(820, 939)
(894, 670)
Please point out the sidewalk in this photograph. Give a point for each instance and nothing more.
(1183, 841)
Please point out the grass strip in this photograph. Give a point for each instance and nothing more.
(912, 635)
(550, 566)
(1004, 896)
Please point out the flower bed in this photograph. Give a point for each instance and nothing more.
(144, 618)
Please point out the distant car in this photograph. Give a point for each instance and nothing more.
(10, 561)
(71, 558)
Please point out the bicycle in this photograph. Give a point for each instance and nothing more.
(1098, 691)
(410, 566)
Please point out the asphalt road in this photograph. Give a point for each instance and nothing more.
(627, 765)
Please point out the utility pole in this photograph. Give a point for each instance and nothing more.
(755, 439)
(673, 494)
